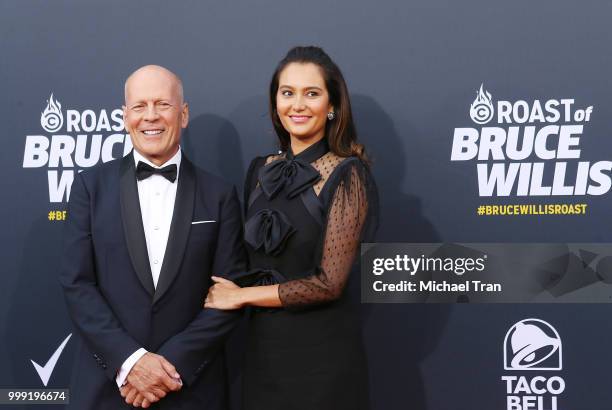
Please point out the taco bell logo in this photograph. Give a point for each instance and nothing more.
(51, 119)
(533, 345)
(481, 110)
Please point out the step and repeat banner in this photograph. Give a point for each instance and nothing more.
(488, 123)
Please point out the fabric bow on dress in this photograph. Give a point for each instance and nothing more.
(291, 174)
(268, 231)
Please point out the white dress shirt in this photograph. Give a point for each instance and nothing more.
(156, 196)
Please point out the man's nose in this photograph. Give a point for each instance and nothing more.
(150, 113)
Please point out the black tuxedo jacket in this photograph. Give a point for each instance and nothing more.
(109, 289)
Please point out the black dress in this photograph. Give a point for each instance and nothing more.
(305, 217)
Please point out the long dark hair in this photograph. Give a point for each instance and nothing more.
(340, 132)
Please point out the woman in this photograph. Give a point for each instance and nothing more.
(307, 209)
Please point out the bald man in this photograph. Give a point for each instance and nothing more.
(143, 236)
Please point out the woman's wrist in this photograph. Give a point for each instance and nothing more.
(241, 297)
(263, 296)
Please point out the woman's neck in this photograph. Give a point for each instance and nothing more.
(300, 144)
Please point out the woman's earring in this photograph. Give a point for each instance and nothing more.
(331, 115)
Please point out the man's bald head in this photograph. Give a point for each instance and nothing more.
(154, 112)
(155, 71)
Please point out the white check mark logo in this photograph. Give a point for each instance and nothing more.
(44, 372)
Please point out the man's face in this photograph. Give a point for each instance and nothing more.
(154, 113)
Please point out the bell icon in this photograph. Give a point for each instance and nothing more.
(531, 345)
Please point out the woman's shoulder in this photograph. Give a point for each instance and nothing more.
(336, 170)
(256, 164)
(260, 161)
(333, 164)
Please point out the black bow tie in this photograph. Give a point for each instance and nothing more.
(144, 171)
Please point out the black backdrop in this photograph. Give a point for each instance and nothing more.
(413, 69)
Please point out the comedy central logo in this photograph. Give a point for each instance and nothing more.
(533, 345)
(481, 110)
(51, 119)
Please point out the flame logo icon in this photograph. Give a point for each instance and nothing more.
(481, 110)
(51, 119)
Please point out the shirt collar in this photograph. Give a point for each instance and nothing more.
(176, 159)
(312, 153)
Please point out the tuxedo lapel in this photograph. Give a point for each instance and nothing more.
(179, 229)
(132, 223)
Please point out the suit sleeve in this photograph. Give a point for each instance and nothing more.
(190, 350)
(90, 312)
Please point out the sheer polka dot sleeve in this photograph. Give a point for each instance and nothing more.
(348, 214)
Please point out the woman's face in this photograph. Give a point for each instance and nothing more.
(302, 101)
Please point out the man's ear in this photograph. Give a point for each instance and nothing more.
(185, 115)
